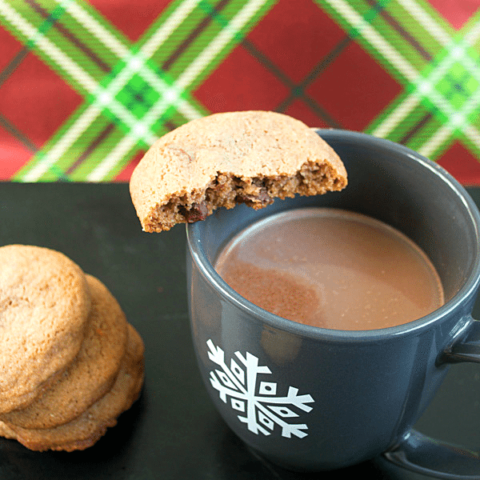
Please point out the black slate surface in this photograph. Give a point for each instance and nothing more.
(173, 431)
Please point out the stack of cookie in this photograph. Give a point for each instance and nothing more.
(70, 363)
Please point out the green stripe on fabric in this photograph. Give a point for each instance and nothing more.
(39, 35)
(449, 83)
(138, 92)
(91, 42)
(76, 54)
(30, 14)
(365, 16)
(406, 35)
(425, 38)
(224, 20)
(437, 17)
(399, 130)
(412, 130)
(423, 134)
(182, 30)
(365, 11)
(198, 44)
(81, 171)
(69, 156)
(191, 22)
(54, 174)
(440, 149)
(88, 10)
(472, 147)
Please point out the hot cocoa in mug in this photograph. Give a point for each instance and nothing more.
(331, 268)
(323, 326)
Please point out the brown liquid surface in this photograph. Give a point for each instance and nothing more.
(332, 269)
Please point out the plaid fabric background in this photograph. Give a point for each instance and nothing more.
(87, 86)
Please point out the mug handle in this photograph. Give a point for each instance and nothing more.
(428, 456)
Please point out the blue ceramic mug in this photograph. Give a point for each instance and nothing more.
(312, 399)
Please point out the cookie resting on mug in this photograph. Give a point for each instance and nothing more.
(221, 160)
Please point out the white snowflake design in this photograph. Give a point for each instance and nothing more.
(260, 406)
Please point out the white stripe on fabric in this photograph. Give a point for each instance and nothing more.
(426, 21)
(60, 147)
(388, 52)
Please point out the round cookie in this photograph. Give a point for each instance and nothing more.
(247, 157)
(44, 305)
(91, 374)
(86, 429)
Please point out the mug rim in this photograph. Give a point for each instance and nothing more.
(468, 288)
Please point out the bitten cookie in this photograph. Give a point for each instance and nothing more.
(44, 305)
(228, 158)
(91, 374)
(86, 429)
